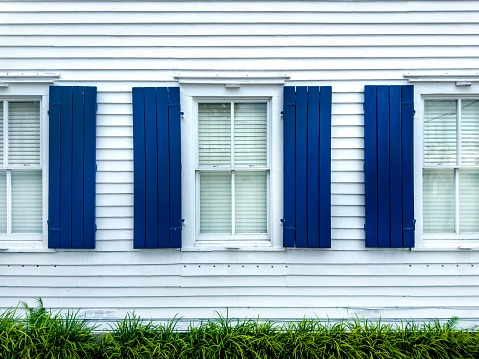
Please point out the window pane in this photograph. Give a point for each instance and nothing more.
(470, 132)
(440, 132)
(26, 201)
(215, 202)
(24, 133)
(439, 203)
(1, 133)
(3, 202)
(250, 134)
(214, 134)
(250, 206)
(468, 201)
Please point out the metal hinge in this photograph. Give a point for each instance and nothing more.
(53, 229)
(413, 228)
(55, 104)
(177, 228)
(96, 227)
(286, 105)
(287, 228)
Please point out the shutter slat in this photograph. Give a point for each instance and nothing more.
(407, 157)
(77, 167)
(66, 147)
(301, 166)
(54, 168)
(89, 167)
(151, 169)
(395, 166)
(325, 166)
(174, 132)
(388, 132)
(163, 167)
(289, 157)
(307, 167)
(72, 167)
(313, 166)
(139, 240)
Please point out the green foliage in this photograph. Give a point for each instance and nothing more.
(41, 333)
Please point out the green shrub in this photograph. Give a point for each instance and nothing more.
(41, 333)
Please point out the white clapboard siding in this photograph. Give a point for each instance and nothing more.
(344, 44)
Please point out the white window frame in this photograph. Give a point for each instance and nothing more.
(430, 89)
(190, 95)
(31, 92)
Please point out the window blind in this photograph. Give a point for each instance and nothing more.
(215, 202)
(214, 134)
(250, 134)
(3, 202)
(440, 132)
(250, 206)
(438, 200)
(26, 201)
(23, 133)
(470, 132)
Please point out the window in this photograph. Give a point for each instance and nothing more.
(232, 163)
(450, 173)
(233, 169)
(21, 205)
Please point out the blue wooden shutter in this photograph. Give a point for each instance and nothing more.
(157, 166)
(72, 167)
(388, 166)
(307, 167)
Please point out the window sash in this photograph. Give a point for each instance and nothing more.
(21, 183)
(242, 157)
(456, 156)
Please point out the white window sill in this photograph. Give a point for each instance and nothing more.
(447, 245)
(210, 246)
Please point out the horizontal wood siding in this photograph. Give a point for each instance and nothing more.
(119, 45)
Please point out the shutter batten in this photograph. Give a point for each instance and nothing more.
(388, 167)
(157, 166)
(307, 167)
(72, 167)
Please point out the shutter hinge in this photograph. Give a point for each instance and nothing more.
(173, 105)
(181, 221)
(287, 228)
(286, 105)
(96, 227)
(364, 226)
(407, 103)
(413, 228)
(52, 229)
(55, 104)
(96, 168)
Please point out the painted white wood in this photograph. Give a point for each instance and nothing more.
(345, 44)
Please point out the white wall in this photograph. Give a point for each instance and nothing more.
(118, 45)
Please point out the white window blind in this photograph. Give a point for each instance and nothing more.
(232, 140)
(451, 166)
(23, 133)
(20, 171)
(214, 134)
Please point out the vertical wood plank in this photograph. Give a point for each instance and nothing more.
(89, 171)
(139, 167)
(325, 167)
(313, 167)
(77, 166)
(395, 165)
(289, 158)
(66, 167)
(383, 167)
(151, 170)
(301, 167)
(54, 142)
(370, 164)
(163, 168)
(174, 124)
(407, 147)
